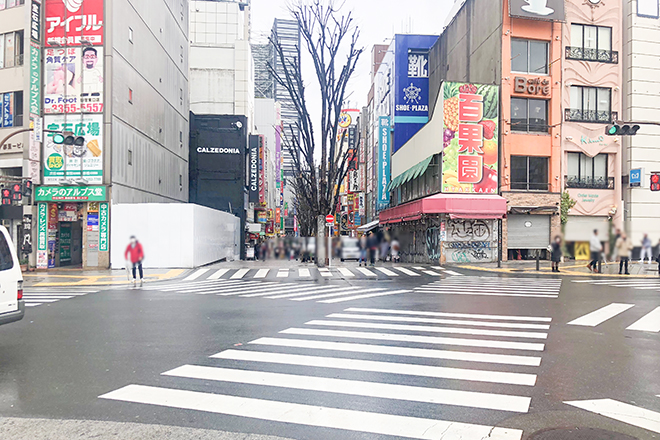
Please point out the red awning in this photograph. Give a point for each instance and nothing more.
(456, 205)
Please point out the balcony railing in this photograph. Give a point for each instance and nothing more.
(578, 115)
(586, 54)
(589, 182)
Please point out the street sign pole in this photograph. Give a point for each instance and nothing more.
(329, 220)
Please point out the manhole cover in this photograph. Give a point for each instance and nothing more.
(579, 434)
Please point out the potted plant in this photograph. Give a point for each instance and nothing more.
(24, 264)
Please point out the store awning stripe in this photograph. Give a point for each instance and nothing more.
(411, 173)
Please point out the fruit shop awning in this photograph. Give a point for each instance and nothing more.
(456, 205)
(410, 174)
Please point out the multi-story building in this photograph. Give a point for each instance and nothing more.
(592, 96)
(117, 78)
(641, 87)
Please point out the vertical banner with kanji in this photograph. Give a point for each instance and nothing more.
(71, 161)
(104, 216)
(383, 162)
(42, 235)
(470, 144)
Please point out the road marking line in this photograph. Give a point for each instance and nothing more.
(451, 292)
(418, 268)
(306, 291)
(451, 272)
(492, 289)
(380, 367)
(325, 272)
(429, 329)
(32, 304)
(437, 340)
(386, 271)
(452, 315)
(29, 301)
(601, 315)
(245, 290)
(648, 323)
(215, 285)
(240, 273)
(283, 273)
(304, 272)
(334, 294)
(180, 284)
(436, 396)
(196, 274)
(351, 420)
(261, 273)
(438, 268)
(406, 271)
(623, 412)
(430, 272)
(441, 321)
(533, 361)
(366, 272)
(217, 274)
(36, 297)
(368, 295)
(345, 272)
(270, 290)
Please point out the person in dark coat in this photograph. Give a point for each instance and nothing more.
(556, 254)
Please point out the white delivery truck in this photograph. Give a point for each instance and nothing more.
(12, 307)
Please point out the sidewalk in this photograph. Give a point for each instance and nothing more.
(569, 268)
(79, 277)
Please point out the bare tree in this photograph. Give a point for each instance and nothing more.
(331, 40)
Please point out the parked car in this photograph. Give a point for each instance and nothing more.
(12, 307)
(350, 248)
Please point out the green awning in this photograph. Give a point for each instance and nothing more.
(410, 174)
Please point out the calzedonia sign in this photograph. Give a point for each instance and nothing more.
(215, 150)
(253, 169)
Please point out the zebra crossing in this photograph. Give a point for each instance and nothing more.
(652, 284)
(378, 366)
(328, 294)
(623, 412)
(37, 296)
(494, 286)
(649, 322)
(321, 272)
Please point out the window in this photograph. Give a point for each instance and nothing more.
(11, 109)
(181, 96)
(6, 4)
(130, 35)
(529, 115)
(648, 8)
(529, 173)
(130, 156)
(529, 56)
(591, 43)
(590, 104)
(6, 259)
(130, 96)
(11, 49)
(587, 172)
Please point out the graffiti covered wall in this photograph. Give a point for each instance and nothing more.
(470, 241)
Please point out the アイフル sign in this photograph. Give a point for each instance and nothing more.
(74, 22)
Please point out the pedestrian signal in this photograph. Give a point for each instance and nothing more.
(655, 182)
(6, 196)
(27, 188)
(16, 193)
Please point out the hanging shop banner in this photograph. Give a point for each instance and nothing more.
(262, 171)
(74, 22)
(42, 235)
(35, 21)
(70, 193)
(8, 110)
(52, 233)
(73, 162)
(253, 169)
(383, 161)
(35, 80)
(104, 216)
(470, 142)
(65, 244)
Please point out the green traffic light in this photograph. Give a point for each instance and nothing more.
(58, 138)
(612, 130)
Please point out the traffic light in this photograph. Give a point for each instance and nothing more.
(621, 130)
(16, 192)
(27, 188)
(655, 181)
(6, 196)
(67, 138)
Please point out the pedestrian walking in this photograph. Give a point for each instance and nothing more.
(134, 255)
(623, 247)
(646, 249)
(555, 256)
(363, 251)
(595, 247)
(372, 244)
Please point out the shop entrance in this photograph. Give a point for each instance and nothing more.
(65, 234)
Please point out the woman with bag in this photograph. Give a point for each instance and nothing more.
(555, 250)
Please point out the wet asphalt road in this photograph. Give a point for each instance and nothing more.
(64, 355)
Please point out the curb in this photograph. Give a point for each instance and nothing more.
(100, 280)
(564, 272)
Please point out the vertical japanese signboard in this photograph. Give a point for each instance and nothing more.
(383, 161)
(253, 169)
(35, 21)
(262, 171)
(35, 80)
(70, 161)
(73, 22)
(470, 142)
(104, 215)
(42, 235)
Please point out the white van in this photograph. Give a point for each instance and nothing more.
(12, 307)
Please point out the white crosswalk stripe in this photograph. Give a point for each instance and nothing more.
(386, 271)
(491, 286)
(218, 274)
(303, 272)
(345, 272)
(405, 271)
(308, 363)
(37, 296)
(650, 322)
(261, 273)
(630, 283)
(623, 412)
(240, 273)
(198, 273)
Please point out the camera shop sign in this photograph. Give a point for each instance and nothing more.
(531, 86)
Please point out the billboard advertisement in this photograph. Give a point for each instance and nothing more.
(73, 80)
(73, 22)
(35, 80)
(73, 162)
(470, 138)
(411, 86)
(383, 161)
(253, 169)
(262, 170)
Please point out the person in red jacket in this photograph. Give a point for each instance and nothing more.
(135, 255)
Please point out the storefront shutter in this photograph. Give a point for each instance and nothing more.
(528, 231)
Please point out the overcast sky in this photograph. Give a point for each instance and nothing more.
(378, 21)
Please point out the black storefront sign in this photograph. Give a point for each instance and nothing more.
(35, 22)
(253, 169)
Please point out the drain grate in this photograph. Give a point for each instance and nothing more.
(579, 434)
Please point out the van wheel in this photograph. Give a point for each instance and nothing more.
(342, 260)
